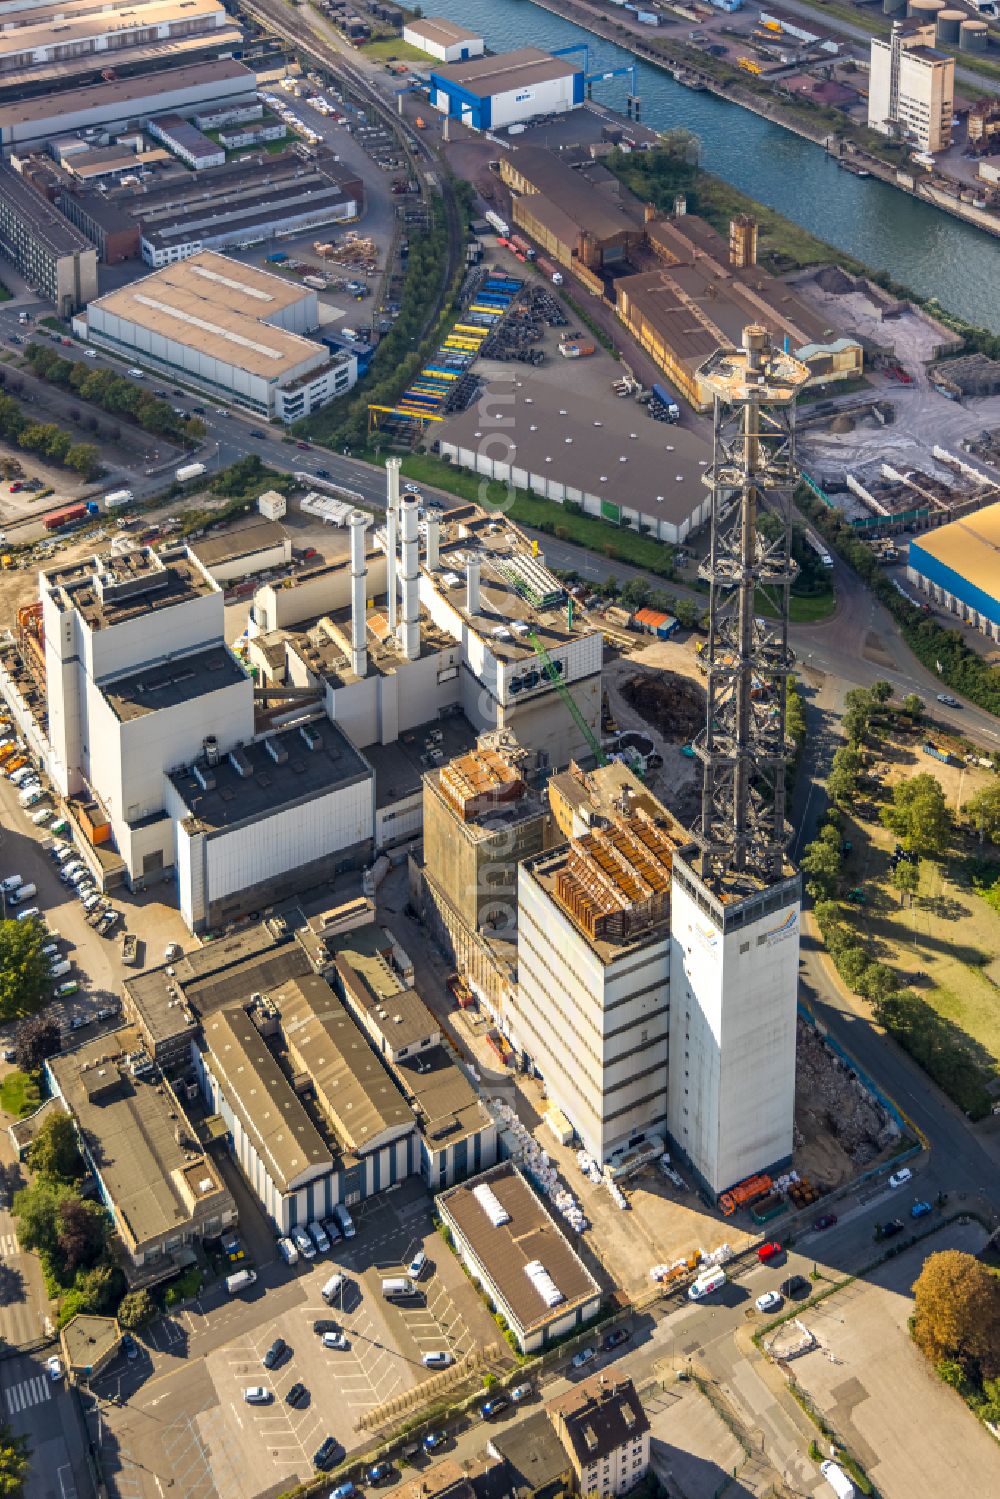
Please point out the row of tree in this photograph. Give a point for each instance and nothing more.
(114, 393)
(47, 441)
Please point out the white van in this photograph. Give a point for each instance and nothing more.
(11, 883)
(345, 1220)
(332, 1289)
(288, 1251)
(31, 913)
(303, 1243)
(398, 1288)
(707, 1282)
(319, 1238)
(838, 1480)
(242, 1280)
(23, 892)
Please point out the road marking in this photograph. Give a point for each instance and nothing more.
(67, 1493)
(9, 1247)
(29, 1392)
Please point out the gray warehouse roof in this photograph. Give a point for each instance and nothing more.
(232, 545)
(138, 92)
(523, 68)
(505, 1249)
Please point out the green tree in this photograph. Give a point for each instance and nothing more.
(54, 1153)
(136, 1310)
(913, 706)
(983, 811)
(13, 1463)
(84, 459)
(821, 862)
(906, 878)
(25, 984)
(795, 717)
(857, 714)
(852, 964)
(880, 691)
(36, 1207)
(919, 815)
(877, 982)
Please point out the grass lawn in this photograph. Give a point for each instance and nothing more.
(615, 542)
(950, 932)
(394, 49)
(19, 1094)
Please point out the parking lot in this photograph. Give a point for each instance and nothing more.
(179, 1409)
(96, 960)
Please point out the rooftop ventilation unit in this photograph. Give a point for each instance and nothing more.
(543, 1283)
(204, 776)
(240, 763)
(311, 736)
(491, 1204)
(276, 750)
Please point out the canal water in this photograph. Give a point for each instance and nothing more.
(931, 252)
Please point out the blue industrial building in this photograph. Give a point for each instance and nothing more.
(491, 93)
(956, 567)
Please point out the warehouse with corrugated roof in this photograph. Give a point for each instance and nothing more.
(958, 566)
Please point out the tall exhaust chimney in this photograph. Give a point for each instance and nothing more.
(410, 629)
(391, 520)
(359, 585)
(433, 541)
(472, 585)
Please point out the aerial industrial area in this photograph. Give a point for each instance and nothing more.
(499, 749)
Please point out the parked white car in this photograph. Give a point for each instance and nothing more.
(901, 1177)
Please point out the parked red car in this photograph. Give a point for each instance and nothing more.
(826, 1220)
(768, 1252)
(305, 446)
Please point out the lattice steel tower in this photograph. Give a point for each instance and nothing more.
(743, 748)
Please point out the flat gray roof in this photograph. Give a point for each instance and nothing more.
(658, 471)
(437, 29)
(169, 683)
(485, 76)
(49, 227)
(125, 91)
(260, 536)
(156, 1184)
(530, 1233)
(280, 770)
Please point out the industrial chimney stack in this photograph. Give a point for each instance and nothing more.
(391, 519)
(410, 628)
(472, 586)
(359, 584)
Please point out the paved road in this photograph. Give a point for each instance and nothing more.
(42, 1409)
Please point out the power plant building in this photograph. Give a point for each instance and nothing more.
(491, 93)
(591, 1012)
(958, 567)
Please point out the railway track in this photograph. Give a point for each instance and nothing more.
(431, 175)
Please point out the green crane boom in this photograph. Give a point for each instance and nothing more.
(551, 672)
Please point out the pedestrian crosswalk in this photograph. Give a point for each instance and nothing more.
(9, 1246)
(29, 1392)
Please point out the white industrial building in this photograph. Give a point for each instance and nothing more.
(592, 1005)
(113, 106)
(454, 634)
(490, 93)
(231, 329)
(734, 987)
(151, 730)
(445, 40)
(513, 1248)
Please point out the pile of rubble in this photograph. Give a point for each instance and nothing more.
(827, 1088)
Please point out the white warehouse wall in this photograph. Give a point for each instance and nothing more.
(553, 96)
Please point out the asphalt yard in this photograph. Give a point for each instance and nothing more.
(178, 1412)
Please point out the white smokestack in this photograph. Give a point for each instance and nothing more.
(391, 516)
(433, 541)
(472, 585)
(410, 629)
(359, 585)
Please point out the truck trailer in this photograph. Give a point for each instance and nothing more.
(554, 275)
(117, 498)
(189, 471)
(56, 519)
(496, 222)
(671, 409)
